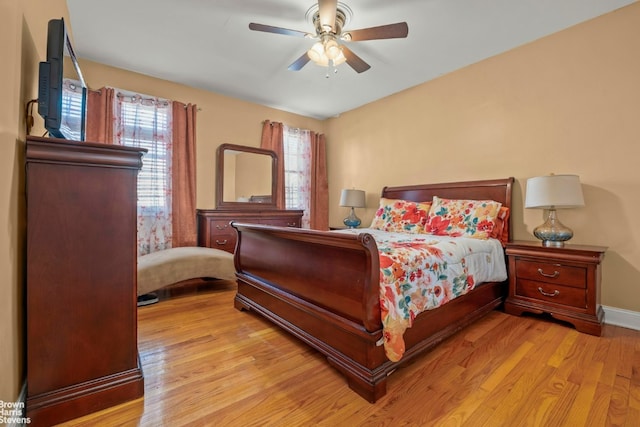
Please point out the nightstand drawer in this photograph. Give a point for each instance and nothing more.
(551, 273)
(553, 293)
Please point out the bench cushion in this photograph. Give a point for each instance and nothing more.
(163, 268)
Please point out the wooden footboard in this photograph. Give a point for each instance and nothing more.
(323, 287)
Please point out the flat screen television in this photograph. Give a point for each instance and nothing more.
(62, 91)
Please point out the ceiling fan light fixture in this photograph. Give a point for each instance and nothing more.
(316, 52)
(323, 62)
(332, 49)
(340, 59)
(325, 52)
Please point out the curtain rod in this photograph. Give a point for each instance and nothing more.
(138, 97)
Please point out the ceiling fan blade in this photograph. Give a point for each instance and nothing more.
(277, 30)
(391, 31)
(327, 11)
(354, 60)
(299, 63)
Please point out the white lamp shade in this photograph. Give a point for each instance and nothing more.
(554, 191)
(352, 198)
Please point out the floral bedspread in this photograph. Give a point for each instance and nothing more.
(421, 272)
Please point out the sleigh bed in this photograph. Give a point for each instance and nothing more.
(324, 288)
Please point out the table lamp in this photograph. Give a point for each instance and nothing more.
(553, 192)
(353, 199)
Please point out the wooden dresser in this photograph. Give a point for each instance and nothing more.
(81, 314)
(564, 282)
(215, 231)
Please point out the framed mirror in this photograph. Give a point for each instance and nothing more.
(245, 177)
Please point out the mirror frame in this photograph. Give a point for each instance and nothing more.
(226, 205)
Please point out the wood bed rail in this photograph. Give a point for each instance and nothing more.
(348, 285)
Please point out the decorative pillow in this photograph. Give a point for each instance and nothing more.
(401, 216)
(469, 218)
(501, 229)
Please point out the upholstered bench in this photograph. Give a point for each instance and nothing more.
(163, 268)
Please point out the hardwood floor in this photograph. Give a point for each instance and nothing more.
(205, 363)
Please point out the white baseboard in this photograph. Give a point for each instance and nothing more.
(620, 317)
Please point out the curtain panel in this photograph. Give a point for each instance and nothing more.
(184, 174)
(272, 140)
(146, 122)
(319, 212)
(315, 189)
(100, 120)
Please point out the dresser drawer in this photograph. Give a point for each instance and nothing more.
(221, 227)
(225, 243)
(221, 235)
(551, 273)
(282, 222)
(552, 293)
(215, 229)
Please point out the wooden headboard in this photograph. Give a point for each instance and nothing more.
(494, 189)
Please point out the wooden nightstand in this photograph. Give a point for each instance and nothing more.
(564, 282)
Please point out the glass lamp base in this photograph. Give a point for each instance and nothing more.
(352, 221)
(553, 233)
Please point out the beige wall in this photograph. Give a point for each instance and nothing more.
(568, 103)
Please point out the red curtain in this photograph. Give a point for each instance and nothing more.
(184, 175)
(272, 140)
(100, 115)
(319, 215)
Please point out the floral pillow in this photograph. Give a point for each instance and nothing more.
(469, 218)
(401, 216)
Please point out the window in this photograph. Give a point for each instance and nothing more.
(297, 170)
(71, 114)
(293, 169)
(145, 122)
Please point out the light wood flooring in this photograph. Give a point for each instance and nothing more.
(207, 364)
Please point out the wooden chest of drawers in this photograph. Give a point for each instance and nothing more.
(81, 338)
(215, 231)
(564, 282)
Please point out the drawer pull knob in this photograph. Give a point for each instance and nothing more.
(551, 276)
(221, 242)
(221, 227)
(292, 224)
(548, 294)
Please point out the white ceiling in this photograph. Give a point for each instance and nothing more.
(207, 44)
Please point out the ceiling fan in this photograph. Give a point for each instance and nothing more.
(328, 18)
